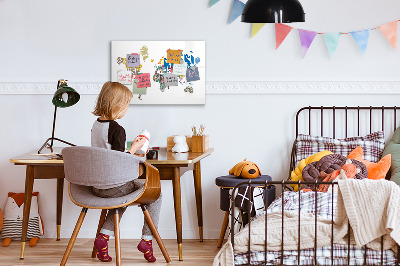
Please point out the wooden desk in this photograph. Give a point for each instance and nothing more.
(171, 167)
(40, 167)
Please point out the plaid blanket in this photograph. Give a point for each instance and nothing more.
(340, 254)
(306, 201)
(323, 205)
(250, 202)
(247, 202)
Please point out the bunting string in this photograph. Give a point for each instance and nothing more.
(361, 37)
(343, 33)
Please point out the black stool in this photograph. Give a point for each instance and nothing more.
(226, 183)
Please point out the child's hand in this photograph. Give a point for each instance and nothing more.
(137, 144)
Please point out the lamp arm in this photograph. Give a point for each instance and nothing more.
(54, 118)
(46, 143)
(54, 126)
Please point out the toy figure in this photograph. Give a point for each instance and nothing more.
(180, 144)
(13, 215)
(245, 169)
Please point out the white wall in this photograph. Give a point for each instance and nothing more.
(47, 40)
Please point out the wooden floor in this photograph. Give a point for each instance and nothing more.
(50, 252)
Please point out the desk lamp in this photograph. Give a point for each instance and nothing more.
(64, 96)
(272, 11)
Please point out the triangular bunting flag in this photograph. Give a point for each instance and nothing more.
(281, 31)
(361, 38)
(306, 39)
(237, 9)
(213, 2)
(332, 41)
(389, 30)
(256, 27)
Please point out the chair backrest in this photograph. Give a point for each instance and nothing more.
(92, 166)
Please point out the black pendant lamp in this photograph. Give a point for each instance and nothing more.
(273, 11)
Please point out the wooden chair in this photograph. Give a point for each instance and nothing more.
(85, 167)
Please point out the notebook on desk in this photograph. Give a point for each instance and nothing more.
(50, 156)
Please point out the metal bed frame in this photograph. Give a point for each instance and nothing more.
(283, 184)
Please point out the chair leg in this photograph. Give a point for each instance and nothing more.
(223, 229)
(117, 239)
(101, 222)
(73, 237)
(154, 230)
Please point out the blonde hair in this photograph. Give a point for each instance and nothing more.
(112, 99)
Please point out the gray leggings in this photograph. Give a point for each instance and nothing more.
(154, 208)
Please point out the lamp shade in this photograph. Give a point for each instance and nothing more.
(273, 11)
(65, 96)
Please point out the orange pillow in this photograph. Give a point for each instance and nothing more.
(375, 170)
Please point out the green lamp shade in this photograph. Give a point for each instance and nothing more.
(65, 96)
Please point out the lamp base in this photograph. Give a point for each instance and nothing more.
(50, 146)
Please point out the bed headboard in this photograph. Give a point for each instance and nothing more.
(344, 121)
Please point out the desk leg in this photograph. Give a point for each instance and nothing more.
(199, 204)
(60, 190)
(27, 206)
(176, 182)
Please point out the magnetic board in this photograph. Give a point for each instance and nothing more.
(160, 72)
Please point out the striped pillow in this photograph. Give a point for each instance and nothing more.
(372, 145)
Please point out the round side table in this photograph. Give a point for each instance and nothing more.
(226, 183)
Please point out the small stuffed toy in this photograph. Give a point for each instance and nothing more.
(13, 215)
(180, 144)
(245, 169)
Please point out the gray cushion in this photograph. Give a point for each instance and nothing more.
(83, 195)
(393, 148)
(230, 181)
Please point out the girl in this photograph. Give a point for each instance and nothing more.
(112, 103)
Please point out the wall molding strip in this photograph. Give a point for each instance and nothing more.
(231, 87)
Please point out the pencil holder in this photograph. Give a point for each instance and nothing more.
(200, 143)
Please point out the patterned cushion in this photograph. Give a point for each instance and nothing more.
(372, 144)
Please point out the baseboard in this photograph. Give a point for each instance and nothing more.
(231, 87)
